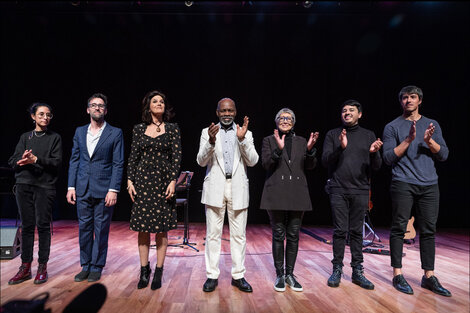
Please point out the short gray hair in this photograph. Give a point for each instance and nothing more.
(285, 110)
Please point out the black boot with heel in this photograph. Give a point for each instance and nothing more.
(144, 276)
(157, 278)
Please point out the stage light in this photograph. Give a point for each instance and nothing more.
(188, 3)
(307, 4)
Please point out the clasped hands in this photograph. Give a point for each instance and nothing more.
(27, 158)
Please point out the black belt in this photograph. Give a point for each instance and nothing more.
(228, 176)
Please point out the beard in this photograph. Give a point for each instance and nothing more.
(223, 121)
(97, 117)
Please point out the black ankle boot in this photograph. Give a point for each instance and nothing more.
(157, 278)
(144, 276)
(335, 278)
(359, 279)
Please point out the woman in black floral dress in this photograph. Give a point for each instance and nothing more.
(152, 170)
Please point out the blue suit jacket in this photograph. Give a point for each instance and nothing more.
(101, 172)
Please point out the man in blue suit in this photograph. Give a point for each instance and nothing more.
(95, 174)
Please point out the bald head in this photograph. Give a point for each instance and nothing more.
(226, 111)
(225, 100)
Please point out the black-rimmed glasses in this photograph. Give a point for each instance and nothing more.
(284, 118)
(97, 105)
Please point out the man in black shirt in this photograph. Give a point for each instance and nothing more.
(349, 153)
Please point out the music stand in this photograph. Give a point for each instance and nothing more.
(183, 184)
(365, 241)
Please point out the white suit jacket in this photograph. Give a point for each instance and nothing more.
(212, 156)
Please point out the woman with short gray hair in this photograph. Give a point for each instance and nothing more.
(285, 193)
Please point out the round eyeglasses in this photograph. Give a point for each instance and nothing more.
(45, 115)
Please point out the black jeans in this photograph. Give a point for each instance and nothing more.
(348, 216)
(285, 224)
(35, 207)
(426, 201)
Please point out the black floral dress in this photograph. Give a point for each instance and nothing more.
(152, 165)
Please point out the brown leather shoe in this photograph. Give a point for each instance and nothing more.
(23, 274)
(41, 276)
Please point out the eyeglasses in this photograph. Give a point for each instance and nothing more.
(285, 118)
(45, 115)
(97, 105)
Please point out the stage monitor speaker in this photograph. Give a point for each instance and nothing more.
(10, 242)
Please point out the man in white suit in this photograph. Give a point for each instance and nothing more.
(226, 149)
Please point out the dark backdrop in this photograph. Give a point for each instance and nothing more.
(264, 55)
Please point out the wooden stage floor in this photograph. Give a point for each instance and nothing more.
(184, 275)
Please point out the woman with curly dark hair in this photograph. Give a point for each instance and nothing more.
(152, 170)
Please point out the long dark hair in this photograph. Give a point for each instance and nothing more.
(147, 116)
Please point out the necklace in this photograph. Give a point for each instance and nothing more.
(158, 126)
(36, 134)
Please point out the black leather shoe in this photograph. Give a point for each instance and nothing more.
(242, 284)
(400, 284)
(335, 277)
(81, 276)
(359, 279)
(210, 285)
(94, 276)
(433, 284)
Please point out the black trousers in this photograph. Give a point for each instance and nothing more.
(348, 217)
(285, 226)
(426, 201)
(35, 207)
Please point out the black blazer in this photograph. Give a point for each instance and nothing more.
(285, 187)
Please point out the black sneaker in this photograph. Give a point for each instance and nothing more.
(359, 279)
(335, 277)
(280, 284)
(293, 283)
(432, 283)
(400, 284)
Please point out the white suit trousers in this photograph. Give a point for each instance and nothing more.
(237, 225)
